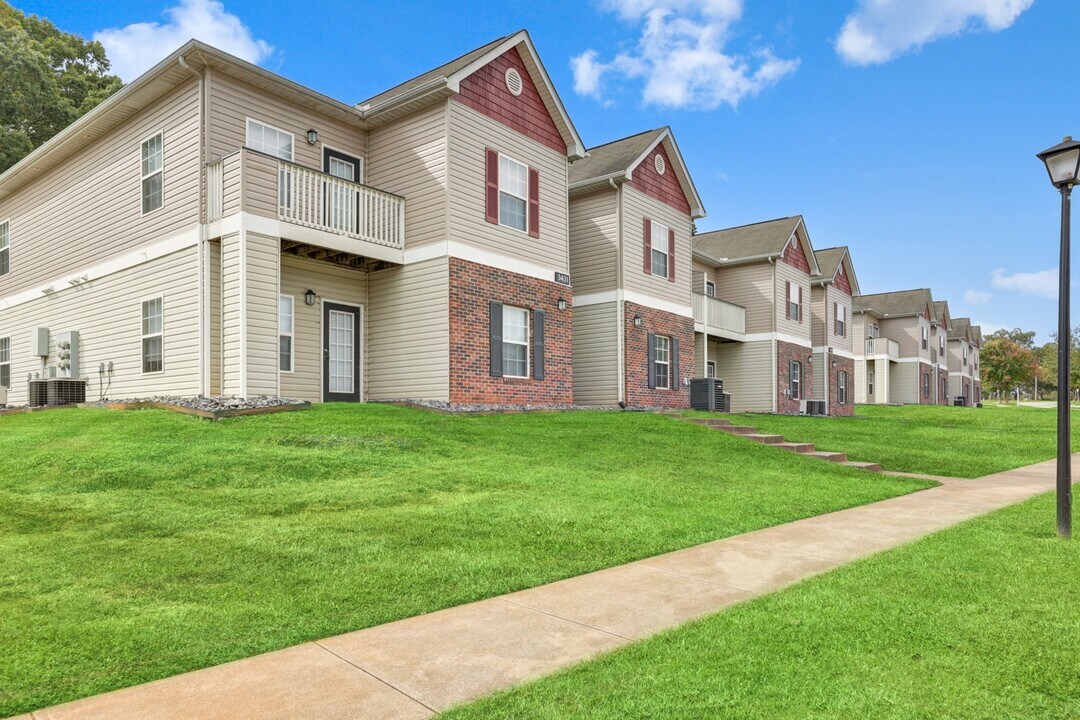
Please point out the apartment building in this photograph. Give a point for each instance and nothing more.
(214, 228)
(831, 310)
(939, 355)
(632, 207)
(964, 343)
(893, 364)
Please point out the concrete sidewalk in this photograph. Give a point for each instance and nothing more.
(417, 667)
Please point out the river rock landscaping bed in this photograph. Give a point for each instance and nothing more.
(214, 408)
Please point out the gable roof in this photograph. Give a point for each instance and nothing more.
(960, 329)
(617, 160)
(904, 303)
(445, 80)
(830, 260)
(757, 241)
(941, 312)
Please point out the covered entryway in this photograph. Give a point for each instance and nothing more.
(341, 341)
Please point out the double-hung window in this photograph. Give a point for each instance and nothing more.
(964, 347)
(269, 140)
(794, 298)
(153, 173)
(926, 385)
(285, 333)
(710, 369)
(5, 247)
(152, 335)
(5, 362)
(796, 380)
(659, 242)
(870, 382)
(662, 361)
(513, 193)
(841, 320)
(925, 338)
(710, 288)
(841, 387)
(515, 342)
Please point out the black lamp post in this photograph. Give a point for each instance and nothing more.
(1063, 164)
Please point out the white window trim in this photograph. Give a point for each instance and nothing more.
(841, 320)
(527, 343)
(142, 178)
(667, 363)
(247, 138)
(794, 383)
(841, 386)
(143, 336)
(662, 249)
(291, 335)
(710, 365)
(8, 363)
(519, 197)
(870, 382)
(7, 222)
(794, 300)
(710, 285)
(349, 153)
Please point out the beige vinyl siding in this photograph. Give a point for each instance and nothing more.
(232, 171)
(860, 382)
(594, 242)
(214, 296)
(825, 301)
(701, 358)
(702, 273)
(263, 272)
(819, 368)
(907, 334)
(230, 315)
(408, 350)
(882, 380)
(785, 273)
(232, 101)
(904, 383)
(636, 207)
(820, 313)
(260, 184)
(470, 135)
(747, 371)
(408, 157)
(333, 284)
(107, 313)
(596, 355)
(752, 287)
(89, 209)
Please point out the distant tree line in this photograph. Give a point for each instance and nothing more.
(1010, 361)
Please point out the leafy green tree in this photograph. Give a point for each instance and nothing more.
(1006, 365)
(1023, 338)
(48, 79)
(1046, 357)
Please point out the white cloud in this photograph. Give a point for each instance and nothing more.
(880, 30)
(989, 328)
(1043, 283)
(977, 297)
(680, 56)
(136, 48)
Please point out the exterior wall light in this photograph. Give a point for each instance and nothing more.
(309, 297)
(637, 321)
(562, 304)
(312, 136)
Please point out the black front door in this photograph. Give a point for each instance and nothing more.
(341, 353)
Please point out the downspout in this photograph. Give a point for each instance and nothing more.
(204, 314)
(775, 346)
(620, 313)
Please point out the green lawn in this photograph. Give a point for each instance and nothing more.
(937, 440)
(980, 621)
(137, 545)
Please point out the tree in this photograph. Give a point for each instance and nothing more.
(1046, 357)
(1006, 365)
(1023, 338)
(48, 79)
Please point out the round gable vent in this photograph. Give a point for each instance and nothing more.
(513, 81)
(661, 166)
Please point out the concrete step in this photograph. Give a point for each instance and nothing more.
(869, 467)
(795, 447)
(765, 439)
(825, 455)
(710, 422)
(736, 429)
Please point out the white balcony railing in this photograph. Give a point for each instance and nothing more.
(882, 346)
(716, 314)
(324, 202)
(215, 191)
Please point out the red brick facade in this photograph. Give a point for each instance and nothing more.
(926, 382)
(472, 288)
(658, 322)
(666, 187)
(845, 365)
(785, 354)
(485, 91)
(943, 387)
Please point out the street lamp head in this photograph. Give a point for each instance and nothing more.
(1063, 162)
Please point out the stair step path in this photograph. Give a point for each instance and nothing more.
(826, 455)
(765, 439)
(869, 467)
(737, 429)
(795, 447)
(710, 422)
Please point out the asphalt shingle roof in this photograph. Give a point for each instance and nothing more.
(613, 157)
(747, 241)
(959, 328)
(828, 260)
(895, 304)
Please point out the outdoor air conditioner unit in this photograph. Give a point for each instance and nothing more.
(708, 394)
(813, 407)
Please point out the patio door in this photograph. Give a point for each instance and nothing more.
(342, 201)
(341, 353)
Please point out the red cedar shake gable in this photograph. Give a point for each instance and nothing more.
(485, 91)
(666, 188)
(842, 282)
(795, 256)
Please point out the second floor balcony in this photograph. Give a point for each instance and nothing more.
(312, 206)
(883, 346)
(718, 317)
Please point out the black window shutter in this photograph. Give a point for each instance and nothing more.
(673, 372)
(496, 338)
(652, 360)
(538, 344)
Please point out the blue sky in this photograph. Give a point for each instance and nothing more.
(905, 129)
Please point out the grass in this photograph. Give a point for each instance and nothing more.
(980, 621)
(936, 440)
(138, 545)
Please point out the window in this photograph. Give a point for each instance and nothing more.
(513, 193)
(658, 238)
(841, 320)
(873, 332)
(285, 333)
(796, 380)
(663, 361)
(926, 385)
(515, 342)
(964, 348)
(153, 171)
(870, 382)
(269, 140)
(152, 316)
(841, 387)
(5, 362)
(710, 369)
(710, 288)
(794, 297)
(925, 338)
(5, 247)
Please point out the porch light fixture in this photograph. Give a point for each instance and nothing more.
(312, 136)
(1063, 165)
(309, 297)
(562, 304)
(637, 321)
